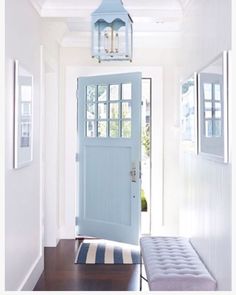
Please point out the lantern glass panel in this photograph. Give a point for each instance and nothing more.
(110, 40)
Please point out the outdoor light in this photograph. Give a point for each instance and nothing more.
(112, 32)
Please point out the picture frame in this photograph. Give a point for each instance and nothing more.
(189, 114)
(213, 109)
(23, 116)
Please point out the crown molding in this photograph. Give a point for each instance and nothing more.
(184, 4)
(38, 5)
(66, 11)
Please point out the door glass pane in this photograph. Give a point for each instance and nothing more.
(207, 91)
(208, 105)
(102, 129)
(102, 110)
(114, 128)
(218, 114)
(90, 132)
(126, 110)
(102, 93)
(114, 92)
(217, 128)
(91, 93)
(217, 105)
(90, 111)
(208, 128)
(126, 129)
(127, 91)
(114, 110)
(208, 114)
(217, 92)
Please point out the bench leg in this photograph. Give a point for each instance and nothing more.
(141, 274)
(140, 282)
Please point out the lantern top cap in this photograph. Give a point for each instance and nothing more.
(111, 7)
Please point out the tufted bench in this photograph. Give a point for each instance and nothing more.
(172, 264)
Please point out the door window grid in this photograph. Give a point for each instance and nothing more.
(107, 113)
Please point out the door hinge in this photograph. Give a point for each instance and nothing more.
(77, 157)
(140, 170)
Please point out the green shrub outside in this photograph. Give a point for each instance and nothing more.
(143, 201)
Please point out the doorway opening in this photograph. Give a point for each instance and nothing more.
(146, 156)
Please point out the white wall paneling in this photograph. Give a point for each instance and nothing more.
(23, 240)
(232, 107)
(205, 209)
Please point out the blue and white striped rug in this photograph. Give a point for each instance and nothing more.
(107, 252)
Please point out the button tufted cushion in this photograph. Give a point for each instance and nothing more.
(172, 264)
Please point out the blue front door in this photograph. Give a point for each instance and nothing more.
(109, 135)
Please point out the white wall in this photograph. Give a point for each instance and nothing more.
(23, 239)
(162, 65)
(206, 197)
(51, 34)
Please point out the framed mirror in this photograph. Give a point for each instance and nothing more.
(213, 109)
(23, 116)
(188, 94)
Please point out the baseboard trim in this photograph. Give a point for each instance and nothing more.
(33, 275)
(66, 233)
(51, 242)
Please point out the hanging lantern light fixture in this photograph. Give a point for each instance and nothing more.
(112, 32)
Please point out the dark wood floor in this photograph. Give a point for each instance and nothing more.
(61, 274)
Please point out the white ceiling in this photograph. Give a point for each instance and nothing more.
(155, 4)
(160, 18)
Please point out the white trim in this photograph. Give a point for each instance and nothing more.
(232, 137)
(157, 187)
(232, 158)
(185, 5)
(65, 232)
(50, 153)
(33, 275)
(17, 164)
(37, 7)
(2, 145)
(226, 105)
(84, 12)
(42, 144)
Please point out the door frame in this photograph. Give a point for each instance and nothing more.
(67, 229)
